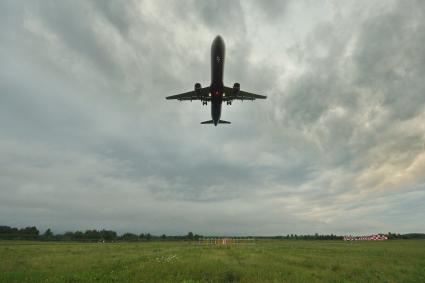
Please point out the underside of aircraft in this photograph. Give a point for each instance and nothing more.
(216, 93)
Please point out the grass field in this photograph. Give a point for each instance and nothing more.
(266, 261)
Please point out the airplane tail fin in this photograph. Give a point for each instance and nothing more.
(212, 122)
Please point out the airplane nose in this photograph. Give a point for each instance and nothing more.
(219, 39)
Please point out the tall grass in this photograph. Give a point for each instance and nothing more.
(266, 261)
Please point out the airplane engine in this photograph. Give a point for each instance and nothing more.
(236, 88)
(198, 89)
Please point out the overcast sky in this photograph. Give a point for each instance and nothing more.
(87, 139)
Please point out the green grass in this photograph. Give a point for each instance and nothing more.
(266, 261)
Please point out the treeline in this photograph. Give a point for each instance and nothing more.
(32, 233)
(395, 236)
(315, 236)
(27, 233)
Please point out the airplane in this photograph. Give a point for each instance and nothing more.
(216, 93)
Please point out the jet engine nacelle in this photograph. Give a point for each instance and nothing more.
(198, 89)
(236, 88)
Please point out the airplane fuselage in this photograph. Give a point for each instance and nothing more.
(218, 51)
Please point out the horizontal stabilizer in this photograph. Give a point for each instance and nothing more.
(212, 122)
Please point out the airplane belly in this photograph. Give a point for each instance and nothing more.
(216, 110)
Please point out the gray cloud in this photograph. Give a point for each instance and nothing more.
(272, 10)
(87, 139)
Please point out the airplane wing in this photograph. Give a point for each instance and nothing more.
(241, 95)
(202, 94)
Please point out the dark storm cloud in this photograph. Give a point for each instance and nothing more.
(88, 140)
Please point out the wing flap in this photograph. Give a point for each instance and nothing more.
(192, 95)
(241, 95)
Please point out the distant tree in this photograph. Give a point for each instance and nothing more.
(148, 236)
(68, 236)
(8, 233)
(78, 236)
(48, 235)
(28, 233)
(163, 237)
(92, 235)
(108, 235)
(6, 230)
(129, 237)
(189, 236)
